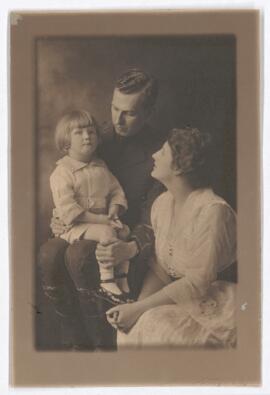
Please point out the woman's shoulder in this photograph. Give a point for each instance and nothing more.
(207, 198)
(163, 198)
(214, 208)
(160, 206)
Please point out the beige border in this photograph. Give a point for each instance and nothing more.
(155, 367)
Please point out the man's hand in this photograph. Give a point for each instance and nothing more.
(58, 227)
(114, 253)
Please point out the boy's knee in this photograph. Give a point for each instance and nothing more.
(100, 233)
(108, 235)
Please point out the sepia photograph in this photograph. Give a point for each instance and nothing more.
(139, 204)
(136, 224)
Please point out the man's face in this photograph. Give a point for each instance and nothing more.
(128, 113)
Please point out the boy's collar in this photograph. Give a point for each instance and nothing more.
(74, 164)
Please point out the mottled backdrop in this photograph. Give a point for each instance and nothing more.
(197, 87)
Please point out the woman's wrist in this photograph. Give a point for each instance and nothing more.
(156, 299)
(142, 307)
(136, 310)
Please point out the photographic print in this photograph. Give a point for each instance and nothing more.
(154, 91)
(136, 179)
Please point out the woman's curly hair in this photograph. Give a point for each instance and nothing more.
(191, 151)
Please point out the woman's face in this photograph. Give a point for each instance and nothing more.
(163, 170)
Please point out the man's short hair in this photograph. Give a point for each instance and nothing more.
(135, 80)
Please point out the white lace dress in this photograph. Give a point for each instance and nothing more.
(190, 251)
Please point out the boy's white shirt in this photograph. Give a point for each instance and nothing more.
(78, 186)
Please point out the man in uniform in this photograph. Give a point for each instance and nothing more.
(127, 149)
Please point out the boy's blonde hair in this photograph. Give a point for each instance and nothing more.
(73, 119)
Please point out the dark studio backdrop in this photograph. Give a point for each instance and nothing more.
(197, 87)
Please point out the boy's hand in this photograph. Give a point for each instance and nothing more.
(58, 227)
(116, 223)
(114, 210)
(113, 217)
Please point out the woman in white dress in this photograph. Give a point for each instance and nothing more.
(182, 302)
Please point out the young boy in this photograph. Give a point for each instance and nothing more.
(88, 198)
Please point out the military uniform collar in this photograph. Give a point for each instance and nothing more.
(109, 134)
(142, 135)
(74, 165)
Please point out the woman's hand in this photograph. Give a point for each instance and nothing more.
(124, 316)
